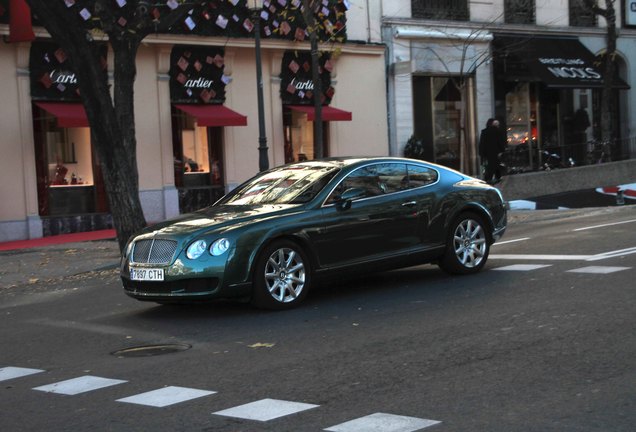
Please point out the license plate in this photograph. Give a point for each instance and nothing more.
(146, 274)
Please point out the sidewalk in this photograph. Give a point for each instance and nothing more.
(31, 261)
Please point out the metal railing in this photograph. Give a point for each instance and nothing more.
(456, 10)
(523, 158)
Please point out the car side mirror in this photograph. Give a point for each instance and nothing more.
(344, 201)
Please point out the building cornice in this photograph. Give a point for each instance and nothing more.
(351, 47)
(406, 25)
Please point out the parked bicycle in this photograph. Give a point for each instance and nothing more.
(600, 152)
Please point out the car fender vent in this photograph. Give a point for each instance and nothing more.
(154, 251)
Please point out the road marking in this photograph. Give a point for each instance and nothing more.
(604, 225)
(511, 241)
(265, 409)
(544, 257)
(613, 254)
(166, 396)
(522, 267)
(10, 372)
(79, 385)
(383, 422)
(598, 269)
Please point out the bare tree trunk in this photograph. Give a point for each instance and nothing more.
(609, 66)
(609, 70)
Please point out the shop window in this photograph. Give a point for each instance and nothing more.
(519, 11)
(299, 136)
(446, 121)
(66, 169)
(456, 10)
(198, 162)
(581, 15)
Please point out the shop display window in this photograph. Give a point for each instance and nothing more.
(446, 121)
(69, 157)
(299, 137)
(198, 159)
(69, 181)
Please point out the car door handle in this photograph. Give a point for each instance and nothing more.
(409, 204)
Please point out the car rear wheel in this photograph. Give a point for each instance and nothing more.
(281, 277)
(467, 245)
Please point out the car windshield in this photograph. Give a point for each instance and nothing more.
(295, 184)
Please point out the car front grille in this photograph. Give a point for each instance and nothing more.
(154, 251)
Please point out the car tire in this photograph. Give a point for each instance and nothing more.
(467, 245)
(282, 276)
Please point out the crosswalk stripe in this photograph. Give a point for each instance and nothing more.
(522, 267)
(383, 422)
(10, 372)
(598, 269)
(79, 385)
(166, 396)
(265, 409)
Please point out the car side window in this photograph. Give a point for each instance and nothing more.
(364, 178)
(421, 176)
(392, 177)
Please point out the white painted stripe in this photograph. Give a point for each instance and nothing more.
(79, 385)
(522, 267)
(604, 225)
(613, 254)
(380, 422)
(166, 396)
(543, 257)
(522, 205)
(598, 269)
(511, 241)
(10, 372)
(266, 409)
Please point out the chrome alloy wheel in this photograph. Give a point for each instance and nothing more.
(285, 275)
(470, 243)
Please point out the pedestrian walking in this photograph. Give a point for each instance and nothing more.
(492, 142)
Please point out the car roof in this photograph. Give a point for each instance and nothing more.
(344, 161)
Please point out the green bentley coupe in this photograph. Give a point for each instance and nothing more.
(274, 237)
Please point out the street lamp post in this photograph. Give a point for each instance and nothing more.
(263, 161)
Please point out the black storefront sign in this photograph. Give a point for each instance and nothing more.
(197, 75)
(297, 86)
(556, 62)
(52, 74)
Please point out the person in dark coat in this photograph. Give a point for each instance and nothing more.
(492, 142)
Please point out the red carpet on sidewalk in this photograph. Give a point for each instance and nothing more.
(59, 239)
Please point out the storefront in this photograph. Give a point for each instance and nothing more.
(197, 93)
(194, 95)
(547, 93)
(297, 92)
(71, 195)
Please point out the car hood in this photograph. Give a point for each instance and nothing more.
(217, 218)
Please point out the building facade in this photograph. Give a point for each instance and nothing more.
(533, 64)
(195, 116)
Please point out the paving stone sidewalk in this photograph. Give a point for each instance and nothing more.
(32, 265)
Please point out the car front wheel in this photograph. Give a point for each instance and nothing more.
(467, 245)
(281, 277)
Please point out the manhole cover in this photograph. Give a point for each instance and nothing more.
(151, 350)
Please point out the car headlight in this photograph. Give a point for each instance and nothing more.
(219, 247)
(196, 249)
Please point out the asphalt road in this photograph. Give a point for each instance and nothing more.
(543, 340)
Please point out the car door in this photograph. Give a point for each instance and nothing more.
(383, 222)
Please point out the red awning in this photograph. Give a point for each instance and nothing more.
(20, 28)
(68, 115)
(214, 115)
(328, 113)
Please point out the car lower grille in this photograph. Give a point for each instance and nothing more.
(154, 251)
